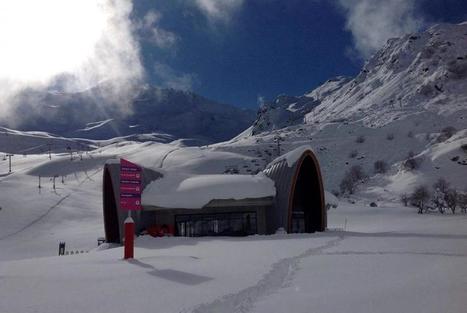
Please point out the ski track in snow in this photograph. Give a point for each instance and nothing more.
(38, 219)
(280, 275)
(283, 272)
(396, 252)
(49, 210)
(161, 162)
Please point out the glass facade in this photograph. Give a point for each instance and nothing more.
(222, 224)
(298, 222)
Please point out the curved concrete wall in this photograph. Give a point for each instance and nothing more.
(285, 179)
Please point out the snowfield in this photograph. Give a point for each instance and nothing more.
(376, 255)
(372, 259)
(388, 259)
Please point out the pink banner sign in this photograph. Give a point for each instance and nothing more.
(130, 186)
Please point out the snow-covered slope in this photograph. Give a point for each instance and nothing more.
(288, 110)
(19, 142)
(372, 259)
(416, 73)
(92, 114)
(407, 96)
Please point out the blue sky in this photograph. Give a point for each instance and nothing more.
(242, 51)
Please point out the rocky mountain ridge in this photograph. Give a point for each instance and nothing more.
(421, 72)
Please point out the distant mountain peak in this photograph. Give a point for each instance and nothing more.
(182, 114)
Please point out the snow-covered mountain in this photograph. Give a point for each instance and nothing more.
(410, 98)
(422, 72)
(90, 114)
(289, 110)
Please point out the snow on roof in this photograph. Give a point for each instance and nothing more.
(112, 161)
(177, 190)
(292, 156)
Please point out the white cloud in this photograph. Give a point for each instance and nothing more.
(169, 78)
(150, 28)
(82, 42)
(219, 10)
(373, 22)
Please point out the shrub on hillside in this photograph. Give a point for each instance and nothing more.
(446, 133)
(353, 154)
(412, 163)
(380, 167)
(360, 139)
(347, 185)
(357, 173)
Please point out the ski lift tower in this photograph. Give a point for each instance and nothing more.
(9, 155)
(277, 139)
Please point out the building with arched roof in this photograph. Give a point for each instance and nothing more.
(299, 203)
(287, 195)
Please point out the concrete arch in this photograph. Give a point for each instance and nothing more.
(307, 194)
(298, 181)
(111, 218)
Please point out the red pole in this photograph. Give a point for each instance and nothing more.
(129, 238)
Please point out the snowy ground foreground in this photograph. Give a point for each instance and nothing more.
(388, 259)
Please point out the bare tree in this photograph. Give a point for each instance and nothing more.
(419, 197)
(352, 178)
(405, 199)
(462, 202)
(452, 199)
(438, 201)
(442, 185)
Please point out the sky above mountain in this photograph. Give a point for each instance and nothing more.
(234, 51)
(243, 52)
